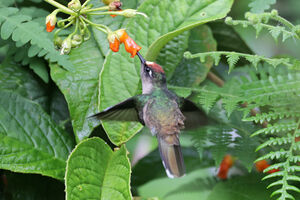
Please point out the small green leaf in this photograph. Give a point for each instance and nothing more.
(276, 31)
(259, 6)
(30, 141)
(94, 171)
(254, 60)
(232, 59)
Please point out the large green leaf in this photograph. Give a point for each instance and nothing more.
(30, 141)
(243, 188)
(19, 80)
(120, 77)
(94, 171)
(171, 55)
(182, 16)
(80, 86)
(193, 186)
(192, 72)
(227, 38)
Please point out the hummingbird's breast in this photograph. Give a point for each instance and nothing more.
(163, 116)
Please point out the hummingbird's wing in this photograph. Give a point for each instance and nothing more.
(124, 111)
(194, 117)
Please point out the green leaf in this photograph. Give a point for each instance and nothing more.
(94, 171)
(243, 188)
(259, 6)
(232, 59)
(201, 12)
(227, 38)
(19, 80)
(30, 141)
(172, 53)
(120, 78)
(191, 72)
(117, 84)
(80, 86)
(153, 163)
(39, 67)
(193, 186)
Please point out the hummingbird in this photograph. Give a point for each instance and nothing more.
(162, 111)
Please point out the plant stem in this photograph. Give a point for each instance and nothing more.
(215, 79)
(101, 26)
(61, 7)
(95, 9)
(283, 21)
(106, 13)
(76, 28)
(84, 4)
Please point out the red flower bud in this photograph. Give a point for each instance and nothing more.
(51, 21)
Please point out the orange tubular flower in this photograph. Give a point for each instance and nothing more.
(130, 45)
(262, 165)
(225, 165)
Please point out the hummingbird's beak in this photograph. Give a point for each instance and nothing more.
(143, 61)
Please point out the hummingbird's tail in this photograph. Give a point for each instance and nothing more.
(170, 153)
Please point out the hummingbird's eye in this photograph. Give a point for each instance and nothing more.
(149, 71)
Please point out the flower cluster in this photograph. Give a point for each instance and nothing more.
(79, 17)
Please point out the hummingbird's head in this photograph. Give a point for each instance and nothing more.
(152, 75)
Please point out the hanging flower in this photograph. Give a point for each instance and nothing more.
(130, 45)
(225, 165)
(120, 36)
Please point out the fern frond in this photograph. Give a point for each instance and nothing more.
(261, 117)
(275, 141)
(277, 128)
(260, 21)
(233, 57)
(288, 153)
(22, 30)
